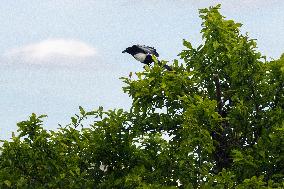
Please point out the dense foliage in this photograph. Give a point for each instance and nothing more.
(215, 121)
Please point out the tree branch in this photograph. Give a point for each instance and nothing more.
(218, 93)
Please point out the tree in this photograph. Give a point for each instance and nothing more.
(215, 121)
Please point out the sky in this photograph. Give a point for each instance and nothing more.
(56, 55)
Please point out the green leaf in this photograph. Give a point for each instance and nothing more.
(187, 44)
(215, 45)
(147, 68)
(82, 111)
(42, 116)
(74, 120)
(8, 183)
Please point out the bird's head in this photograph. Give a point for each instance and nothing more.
(127, 50)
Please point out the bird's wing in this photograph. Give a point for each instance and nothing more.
(147, 49)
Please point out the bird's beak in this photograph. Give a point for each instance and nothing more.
(124, 51)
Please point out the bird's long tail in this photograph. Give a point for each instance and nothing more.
(168, 67)
(160, 64)
(165, 66)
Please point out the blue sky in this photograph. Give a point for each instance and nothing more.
(58, 54)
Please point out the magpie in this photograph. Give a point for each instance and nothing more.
(144, 54)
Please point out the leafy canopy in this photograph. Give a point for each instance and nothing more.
(215, 121)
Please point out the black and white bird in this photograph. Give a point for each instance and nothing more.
(144, 54)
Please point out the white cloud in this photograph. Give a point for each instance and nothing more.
(52, 51)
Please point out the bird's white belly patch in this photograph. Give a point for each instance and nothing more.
(140, 57)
